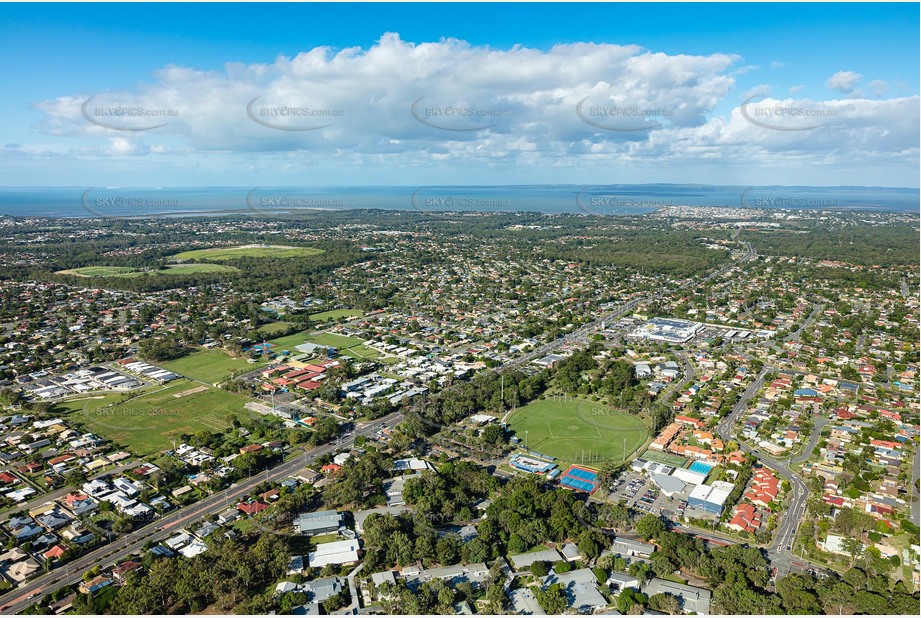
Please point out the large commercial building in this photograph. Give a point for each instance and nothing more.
(689, 476)
(668, 330)
(710, 498)
(669, 485)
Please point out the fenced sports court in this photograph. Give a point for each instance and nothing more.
(578, 478)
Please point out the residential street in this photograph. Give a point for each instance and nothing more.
(21, 597)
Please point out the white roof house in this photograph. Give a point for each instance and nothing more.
(337, 552)
(524, 561)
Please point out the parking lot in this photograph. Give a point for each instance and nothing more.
(642, 494)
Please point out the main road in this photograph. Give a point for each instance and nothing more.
(133, 542)
(20, 598)
(614, 314)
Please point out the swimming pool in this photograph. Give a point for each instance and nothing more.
(699, 466)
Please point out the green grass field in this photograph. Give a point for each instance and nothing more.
(123, 272)
(208, 365)
(148, 423)
(98, 271)
(347, 346)
(335, 314)
(219, 254)
(340, 341)
(272, 328)
(564, 429)
(288, 342)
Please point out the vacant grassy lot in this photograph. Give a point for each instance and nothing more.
(208, 365)
(219, 254)
(147, 424)
(566, 429)
(273, 327)
(128, 272)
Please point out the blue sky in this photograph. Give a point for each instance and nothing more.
(832, 93)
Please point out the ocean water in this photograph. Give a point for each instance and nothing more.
(610, 200)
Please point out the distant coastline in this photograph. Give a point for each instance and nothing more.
(613, 200)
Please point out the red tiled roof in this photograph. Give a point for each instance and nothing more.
(252, 507)
(55, 552)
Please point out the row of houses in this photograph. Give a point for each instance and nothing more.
(86, 380)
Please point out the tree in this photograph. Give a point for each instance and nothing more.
(628, 598)
(853, 547)
(552, 600)
(516, 545)
(75, 478)
(650, 527)
(493, 434)
(123, 524)
(562, 566)
(476, 551)
(540, 568)
(448, 550)
(665, 602)
(445, 597)
(589, 547)
(662, 565)
(640, 570)
(796, 595)
(495, 594)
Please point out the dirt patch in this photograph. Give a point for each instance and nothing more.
(191, 391)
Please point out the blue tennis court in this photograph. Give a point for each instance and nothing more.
(583, 474)
(580, 479)
(699, 466)
(574, 483)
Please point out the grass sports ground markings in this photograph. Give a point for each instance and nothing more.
(207, 365)
(570, 429)
(191, 391)
(219, 254)
(150, 422)
(347, 346)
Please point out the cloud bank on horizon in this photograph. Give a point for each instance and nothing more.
(449, 110)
